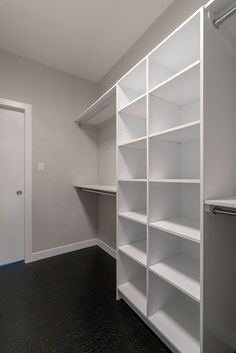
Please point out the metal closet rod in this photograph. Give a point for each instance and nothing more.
(218, 210)
(218, 21)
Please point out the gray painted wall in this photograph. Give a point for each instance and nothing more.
(176, 13)
(106, 221)
(59, 216)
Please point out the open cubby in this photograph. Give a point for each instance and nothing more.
(176, 208)
(132, 282)
(132, 122)
(165, 115)
(132, 201)
(178, 52)
(174, 160)
(174, 315)
(176, 260)
(132, 85)
(132, 163)
(132, 240)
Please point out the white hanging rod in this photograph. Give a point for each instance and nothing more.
(218, 21)
(218, 210)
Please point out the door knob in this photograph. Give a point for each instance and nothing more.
(19, 192)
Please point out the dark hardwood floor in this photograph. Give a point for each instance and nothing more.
(66, 304)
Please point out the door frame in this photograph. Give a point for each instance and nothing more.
(27, 110)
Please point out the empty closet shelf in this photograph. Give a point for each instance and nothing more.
(181, 271)
(98, 189)
(179, 323)
(187, 228)
(139, 143)
(133, 292)
(177, 181)
(133, 180)
(137, 251)
(229, 202)
(136, 215)
(181, 133)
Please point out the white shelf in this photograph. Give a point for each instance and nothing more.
(136, 107)
(98, 189)
(181, 133)
(101, 110)
(178, 322)
(137, 251)
(133, 291)
(133, 180)
(139, 143)
(182, 88)
(177, 181)
(137, 215)
(229, 202)
(181, 271)
(183, 227)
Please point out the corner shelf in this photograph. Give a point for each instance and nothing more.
(182, 272)
(101, 110)
(183, 227)
(98, 189)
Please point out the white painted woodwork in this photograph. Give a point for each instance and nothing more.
(176, 151)
(175, 316)
(12, 209)
(137, 251)
(110, 189)
(136, 215)
(224, 202)
(100, 111)
(183, 272)
(188, 228)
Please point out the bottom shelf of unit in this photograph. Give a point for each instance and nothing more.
(133, 292)
(178, 322)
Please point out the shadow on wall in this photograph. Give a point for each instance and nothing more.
(86, 199)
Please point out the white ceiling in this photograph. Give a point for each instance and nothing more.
(82, 37)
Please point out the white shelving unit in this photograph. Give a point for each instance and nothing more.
(159, 188)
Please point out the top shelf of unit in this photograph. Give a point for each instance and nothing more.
(229, 202)
(101, 110)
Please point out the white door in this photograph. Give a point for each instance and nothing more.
(11, 186)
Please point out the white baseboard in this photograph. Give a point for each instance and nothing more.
(63, 249)
(72, 247)
(107, 248)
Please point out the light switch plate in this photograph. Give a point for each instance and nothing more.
(41, 167)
